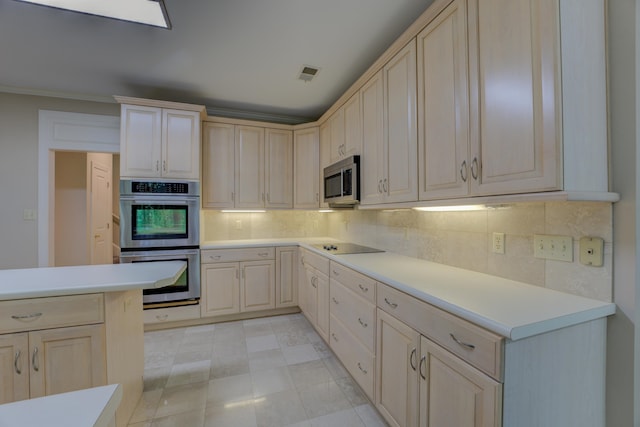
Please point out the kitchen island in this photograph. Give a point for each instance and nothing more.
(70, 328)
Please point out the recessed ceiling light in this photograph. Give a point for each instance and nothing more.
(148, 12)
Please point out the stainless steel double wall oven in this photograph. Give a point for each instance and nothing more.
(160, 221)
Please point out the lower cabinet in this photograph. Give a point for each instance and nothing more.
(315, 291)
(248, 279)
(422, 384)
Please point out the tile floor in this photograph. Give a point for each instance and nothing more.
(268, 372)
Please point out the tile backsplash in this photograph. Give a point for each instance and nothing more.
(459, 239)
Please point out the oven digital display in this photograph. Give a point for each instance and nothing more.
(159, 222)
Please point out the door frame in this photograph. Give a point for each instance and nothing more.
(65, 131)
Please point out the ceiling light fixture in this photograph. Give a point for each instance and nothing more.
(148, 12)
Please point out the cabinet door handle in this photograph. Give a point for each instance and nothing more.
(335, 338)
(364, 371)
(335, 301)
(317, 197)
(162, 317)
(391, 304)
(412, 357)
(215, 257)
(462, 343)
(15, 362)
(363, 324)
(379, 186)
(463, 171)
(474, 168)
(314, 281)
(27, 317)
(423, 363)
(164, 165)
(233, 196)
(157, 165)
(263, 254)
(363, 288)
(336, 273)
(384, 186)
(34, 360)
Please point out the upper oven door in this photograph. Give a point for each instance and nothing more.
(159, 222)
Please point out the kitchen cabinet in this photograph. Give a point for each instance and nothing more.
(247, 167)
(159, 142)
(218, 165)
(443, 106)
(390, 163)
(325, 157)
(14, 367)
(421, 383)
(237, 281)
(345, 130)
(286, 276)
(352, 324)
(306, 182)
(515, 94)
(316, 291)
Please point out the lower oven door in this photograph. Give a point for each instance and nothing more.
(186, 288)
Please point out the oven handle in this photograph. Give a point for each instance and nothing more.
(159, 253)
(161, 200)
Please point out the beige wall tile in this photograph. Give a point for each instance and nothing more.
(578, 219)
(517, 263)
(522, 219)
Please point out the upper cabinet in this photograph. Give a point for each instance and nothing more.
(521, 114)
(345, 130)
(389, 159)
(515, 92)
(159, 140)
(306, 169)
(246, 167)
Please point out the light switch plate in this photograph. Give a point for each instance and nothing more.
(592, 251)
(559, 248)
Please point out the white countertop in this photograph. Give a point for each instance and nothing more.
(57, 281)
(93, 407)
(509, 308)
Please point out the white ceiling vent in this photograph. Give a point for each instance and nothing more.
(308, 72)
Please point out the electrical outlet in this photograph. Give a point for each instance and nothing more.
(498, 243)
(559, 248)
(29, 215)
(592, 251)
(238, 225)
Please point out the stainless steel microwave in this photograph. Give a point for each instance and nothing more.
(342, 182)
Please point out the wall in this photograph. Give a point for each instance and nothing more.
(460, 239)
(19, 169)
(71, 245)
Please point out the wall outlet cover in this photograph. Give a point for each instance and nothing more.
(592, 251)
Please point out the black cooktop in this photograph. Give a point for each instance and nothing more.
(346, 248)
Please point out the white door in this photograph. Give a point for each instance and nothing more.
(100, 219)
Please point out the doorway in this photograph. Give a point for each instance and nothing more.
(80, 134)
(85, 209)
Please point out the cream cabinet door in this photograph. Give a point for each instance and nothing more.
(443, 105)
(373, 148)
(180, 144)
(14, 367)
(249, 167)
(453, 393)
(140, 141)
(515, 96)
(218, 165)
(286, 277)
(398, 347)
(336, 126)
(311, 295)
(278, 168)
(325, 157)
(322, 320)
(352, 126)
(257, 285)
(67, 359)
(220, 289)
(400, 183)
(306, 169)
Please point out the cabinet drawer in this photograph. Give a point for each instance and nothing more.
(479, 347)
(358, 283)
(359, 361)
(51, 312)
(316, 261)
(171, 314)
(240, 254)
(356, 314)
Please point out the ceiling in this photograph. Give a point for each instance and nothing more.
(237, 57)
